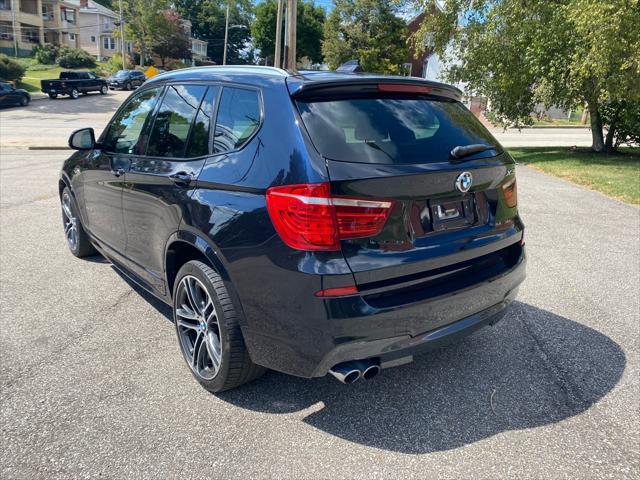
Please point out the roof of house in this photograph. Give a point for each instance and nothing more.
(95, 7)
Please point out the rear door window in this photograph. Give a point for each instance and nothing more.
(238, 118)
(199, 138)
(391, 129)
(173, 120)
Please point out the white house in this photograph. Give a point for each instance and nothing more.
(98, 27)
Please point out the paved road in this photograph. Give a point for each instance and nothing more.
(53, 120)
(93, 384)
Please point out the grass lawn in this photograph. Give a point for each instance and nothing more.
(615, 175)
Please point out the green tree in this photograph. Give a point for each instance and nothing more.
(207, 23)
(366, 30)
(310, 29)
(171, 39)
(144, 22)
(520, 53)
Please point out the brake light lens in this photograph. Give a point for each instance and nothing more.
(510, 190)
(403, 88)
(308, 217)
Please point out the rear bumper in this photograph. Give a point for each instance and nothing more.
(354, 329)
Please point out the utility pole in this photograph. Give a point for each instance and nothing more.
(226, 37)
(292, 7)
(124, 58)
(15, 4)
(277, 60)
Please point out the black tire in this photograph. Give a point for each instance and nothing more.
(235, 367)
(53, 95)
(81, 247)
(104, 90)
(24, 101)
(74, 93)
(127, 86)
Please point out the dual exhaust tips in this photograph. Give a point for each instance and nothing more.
(349, 372)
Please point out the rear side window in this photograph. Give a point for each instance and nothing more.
(173, 121)
(238, 118)
(398, 129)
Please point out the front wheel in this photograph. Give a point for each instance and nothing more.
(127, 86)
(104, 90)
(24, 101)
(75, 93)
(208, 331)
(77, 239)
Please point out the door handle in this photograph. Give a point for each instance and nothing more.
(181, 178)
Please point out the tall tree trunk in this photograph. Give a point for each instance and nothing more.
(608, 142)
(597, 139)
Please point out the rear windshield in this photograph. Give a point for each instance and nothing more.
(392, 129)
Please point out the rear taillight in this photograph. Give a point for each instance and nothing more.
(308, 217)
(510, 190)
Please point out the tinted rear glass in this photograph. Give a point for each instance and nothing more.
(391, 129)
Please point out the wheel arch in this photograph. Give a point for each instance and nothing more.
(185, 245)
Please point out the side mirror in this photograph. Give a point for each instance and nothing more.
(83, 139)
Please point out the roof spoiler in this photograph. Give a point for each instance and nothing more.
(345, 84)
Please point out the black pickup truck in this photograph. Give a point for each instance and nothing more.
(73, 84)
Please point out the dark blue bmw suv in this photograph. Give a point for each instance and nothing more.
(310, 222)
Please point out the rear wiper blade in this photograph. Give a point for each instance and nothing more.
(462, 151)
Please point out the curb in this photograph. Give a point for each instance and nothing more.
(37, 147)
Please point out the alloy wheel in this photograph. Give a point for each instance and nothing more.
(198, 327)
(70, 222)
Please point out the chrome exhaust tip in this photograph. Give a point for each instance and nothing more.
(346, 372)
(371, 372)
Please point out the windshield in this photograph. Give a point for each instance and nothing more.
(396, 129)
(121, 73)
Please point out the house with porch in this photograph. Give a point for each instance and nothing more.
(26, 23)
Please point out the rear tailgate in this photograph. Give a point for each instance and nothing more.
(51, 85)
(454, 221)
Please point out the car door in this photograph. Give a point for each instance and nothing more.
(158, 183)
(4, 94)
(103, 178)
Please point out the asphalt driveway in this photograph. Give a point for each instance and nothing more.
(93, 384)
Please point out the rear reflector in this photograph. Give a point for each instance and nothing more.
(403, 88)
(308, 217)
(510, 190)
(338, 291)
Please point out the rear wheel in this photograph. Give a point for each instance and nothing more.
(75, 93)
(77, 239)
(127, 86)
(208, 331)
(24, 101)
(104, 90)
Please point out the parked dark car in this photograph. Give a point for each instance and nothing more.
(126, 79)
(9, 95)
(309, 223)
(73, 84)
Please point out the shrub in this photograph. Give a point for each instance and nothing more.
(10, 70)
(76, 58)
(115, 63)
(622, 121)
(46, 54)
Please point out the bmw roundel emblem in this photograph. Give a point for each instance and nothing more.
(464, 181)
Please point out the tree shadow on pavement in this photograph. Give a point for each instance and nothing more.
(533, 368)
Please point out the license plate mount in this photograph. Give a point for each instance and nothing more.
(452, 213)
